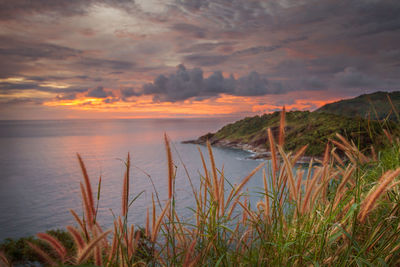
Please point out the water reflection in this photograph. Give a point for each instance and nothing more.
(40, 176)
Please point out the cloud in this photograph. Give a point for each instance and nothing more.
(256, 50)
(189, 29)
(204, 47)
(373, 17)
(350, 77)
(254, 85)
(12, 9)
(21, 101)
(272, 47)
(22, 8)
(17, 55)
(66, 96)
(21, 56)
(192, 5)
(100, 63)
(30, 50)
(313, 83)
(111, 100)
(205, 59)
(99, 92)
(129, 92)
(190, 83)
(9, 87)
(230, 15)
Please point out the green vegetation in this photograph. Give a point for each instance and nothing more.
(19, 252)
(373, 106)
(330, 214)
(314, 129)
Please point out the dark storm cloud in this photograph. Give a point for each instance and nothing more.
(99, 92)
(190, 83)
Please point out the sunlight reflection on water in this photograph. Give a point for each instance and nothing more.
(40, 175)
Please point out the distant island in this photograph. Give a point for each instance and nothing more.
(361, 119)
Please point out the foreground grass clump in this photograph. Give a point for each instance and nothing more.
(339, 212)
(19, 252)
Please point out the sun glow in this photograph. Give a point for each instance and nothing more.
(144, 106)
(75, 102)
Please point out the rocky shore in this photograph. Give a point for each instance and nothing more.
(258, 149)
(314, 129)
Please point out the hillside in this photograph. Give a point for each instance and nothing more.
(366, 106)
(302, 128)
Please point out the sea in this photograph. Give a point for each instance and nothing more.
(40, 173)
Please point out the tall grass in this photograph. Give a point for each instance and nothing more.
(341, 211)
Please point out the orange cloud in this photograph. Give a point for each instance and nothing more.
(225, 105)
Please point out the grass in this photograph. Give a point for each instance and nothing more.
(378, 105)
(331, 214)
(302, 128)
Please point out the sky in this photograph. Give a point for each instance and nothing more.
(64, 59)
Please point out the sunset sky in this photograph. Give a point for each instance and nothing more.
(191, 58)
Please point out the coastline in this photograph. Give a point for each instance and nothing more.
(258, 152)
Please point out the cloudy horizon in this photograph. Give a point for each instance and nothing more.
(193, 58)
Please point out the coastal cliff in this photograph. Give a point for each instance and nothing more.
(314, 129)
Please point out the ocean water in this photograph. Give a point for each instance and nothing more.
(40, 174)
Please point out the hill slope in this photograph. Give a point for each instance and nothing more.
(366, 106)
(302, 128)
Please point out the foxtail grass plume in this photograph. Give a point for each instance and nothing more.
(125, 189)
(170, 166)
(282, 127)
(4, 261)
(49, 260)
(375, 193)
(88, 186)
